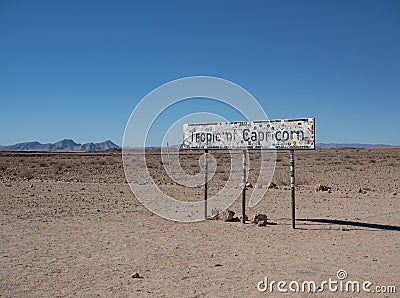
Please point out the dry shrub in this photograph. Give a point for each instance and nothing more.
(56, 168)
(3, 166)
(26, 174)
(105, 160)
(280, 181)
(224, 177)
(102, 161)
(110, 161)
(151, 165)
(220, 171)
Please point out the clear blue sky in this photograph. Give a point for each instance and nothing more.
(76, 69)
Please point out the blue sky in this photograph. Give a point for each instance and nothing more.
(76, 69)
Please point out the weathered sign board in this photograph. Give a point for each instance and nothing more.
(284, 134)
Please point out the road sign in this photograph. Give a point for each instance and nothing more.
(271, 134)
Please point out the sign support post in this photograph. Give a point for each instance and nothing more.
(244, 188)
(205, 183)
(292, 188)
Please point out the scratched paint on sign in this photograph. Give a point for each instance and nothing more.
(271, 134)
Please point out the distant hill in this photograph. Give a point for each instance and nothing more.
(358, 146)
(318, 146)
(63, 145)
(109, 146)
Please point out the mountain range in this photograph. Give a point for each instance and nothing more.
(70, 145)
(63, 145)
(355, 145)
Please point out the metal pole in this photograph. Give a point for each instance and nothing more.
(169, 159)
(205, 182)
(244, 188)
(292, 188)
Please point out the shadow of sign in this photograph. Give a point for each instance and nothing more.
(351, 223)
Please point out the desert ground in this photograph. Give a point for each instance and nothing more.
(71, 227)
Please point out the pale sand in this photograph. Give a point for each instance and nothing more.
(70, 226)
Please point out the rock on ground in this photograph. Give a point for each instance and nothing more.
(258, 218)
(320, 187)
(225, 215)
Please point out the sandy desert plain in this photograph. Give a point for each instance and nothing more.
(71, 227)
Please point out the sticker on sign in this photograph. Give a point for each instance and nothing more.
(269, 134)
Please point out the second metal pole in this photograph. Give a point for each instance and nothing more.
(244, 188)
(292, 188)
(205, 183)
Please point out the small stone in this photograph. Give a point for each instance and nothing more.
(259, 217)
(262, 223)
(360, 190)
(214, 214)
(135, 275)
(249, 185)
(225, 215)
(272, 185)
(320, 187)
(215, 211)
(245, 218)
